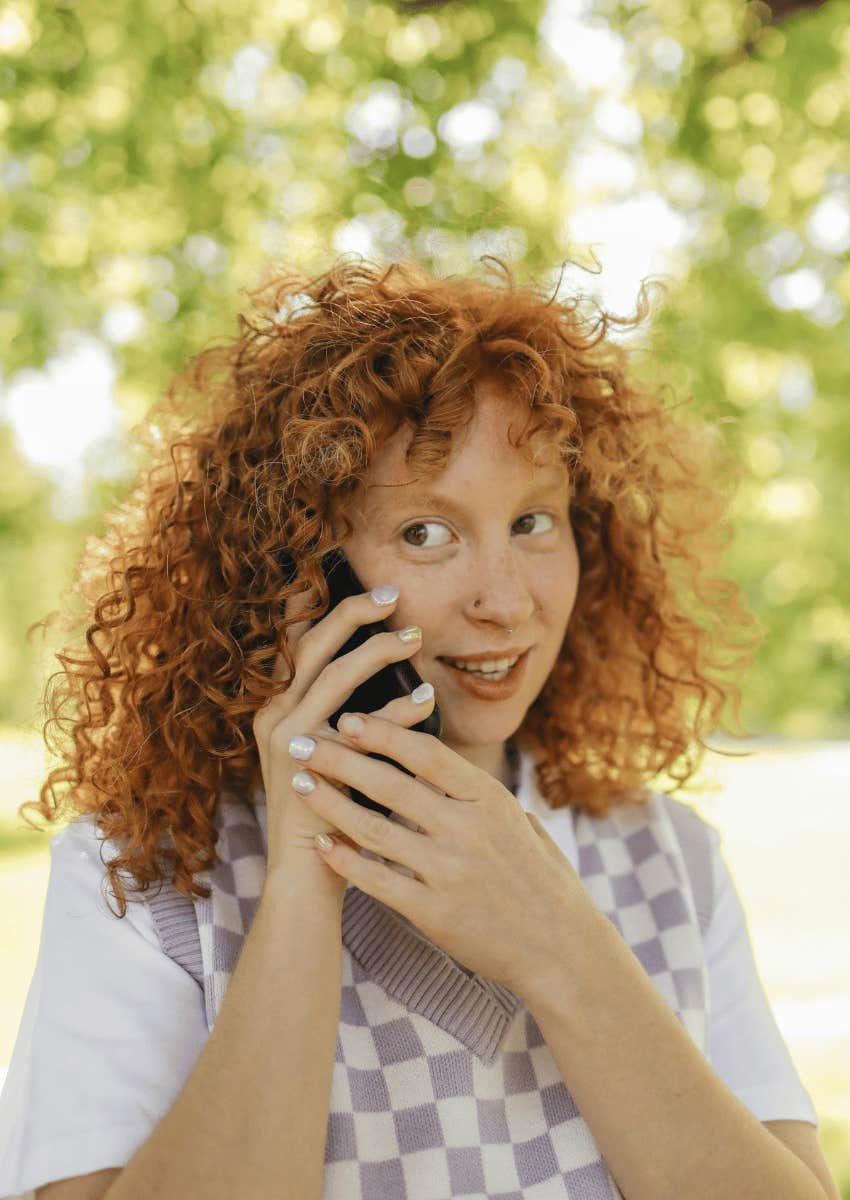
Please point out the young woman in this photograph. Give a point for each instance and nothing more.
(533, 979)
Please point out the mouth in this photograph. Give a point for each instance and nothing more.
(494, 670)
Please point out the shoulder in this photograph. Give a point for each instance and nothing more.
(110, 1031)
(78, 884)
(94, 963)
(80, 836)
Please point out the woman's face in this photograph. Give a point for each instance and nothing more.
(494, 529)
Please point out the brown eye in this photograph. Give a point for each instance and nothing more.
(423, 525)
(420, 525)
(531, 516)
(409, 529)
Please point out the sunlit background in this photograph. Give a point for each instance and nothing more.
(156, 157)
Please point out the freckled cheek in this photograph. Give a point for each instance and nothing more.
(416, 612)
(562, 582)
(558, 604)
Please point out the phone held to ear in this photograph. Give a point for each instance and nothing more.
(389, 683)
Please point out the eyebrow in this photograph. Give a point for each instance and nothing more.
(451, 506)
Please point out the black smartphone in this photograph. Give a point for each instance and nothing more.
(389, 683)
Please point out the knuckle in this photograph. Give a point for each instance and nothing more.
(334, 668)
(279, 738)
(272, 711)
(262, 725)
(281, 670)
(377, 830)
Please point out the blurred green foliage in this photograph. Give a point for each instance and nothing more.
(157, 155)
(835, 1143)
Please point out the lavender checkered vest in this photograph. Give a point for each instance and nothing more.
(442, 1084)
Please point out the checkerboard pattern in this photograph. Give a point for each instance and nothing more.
(442, 1085)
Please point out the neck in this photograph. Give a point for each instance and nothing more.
(505, 771)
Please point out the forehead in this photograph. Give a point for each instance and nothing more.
(479, 448)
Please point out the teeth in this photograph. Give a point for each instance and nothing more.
(492, 665)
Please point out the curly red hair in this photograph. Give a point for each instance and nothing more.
(253, 456)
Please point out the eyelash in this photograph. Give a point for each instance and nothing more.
(418, 524)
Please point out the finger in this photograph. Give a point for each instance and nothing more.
(295, 606)
(298, 604)
(313, 652)
(340, 764)
(316, 644)
(386, 883)
(406, 711)
(365, 827)
(339, 836)
(424, 756)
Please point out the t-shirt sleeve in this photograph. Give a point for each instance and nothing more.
(112, 1028)
(746, 1047)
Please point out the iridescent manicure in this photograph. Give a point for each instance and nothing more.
(384, 594)
(301, 746)
(304, 782)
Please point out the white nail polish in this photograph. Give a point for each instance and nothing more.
(421, 694)
(303, 782)
(384, 594)
(301, 746)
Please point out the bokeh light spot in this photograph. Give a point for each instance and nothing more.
(418, 142)
(375, 121)
(469, 125)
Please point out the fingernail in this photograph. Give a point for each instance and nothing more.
(411, 634)
(385, 594)
(324, 842)
(422, 693)
(348, 723)
(301, 746)
(304, 782)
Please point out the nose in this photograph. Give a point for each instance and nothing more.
(499, 591)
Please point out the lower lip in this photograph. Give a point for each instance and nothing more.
(489, 689)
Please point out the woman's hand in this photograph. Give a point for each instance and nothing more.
(319, 686)
(489, 884)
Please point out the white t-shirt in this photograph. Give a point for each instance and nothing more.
(112, 1027)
